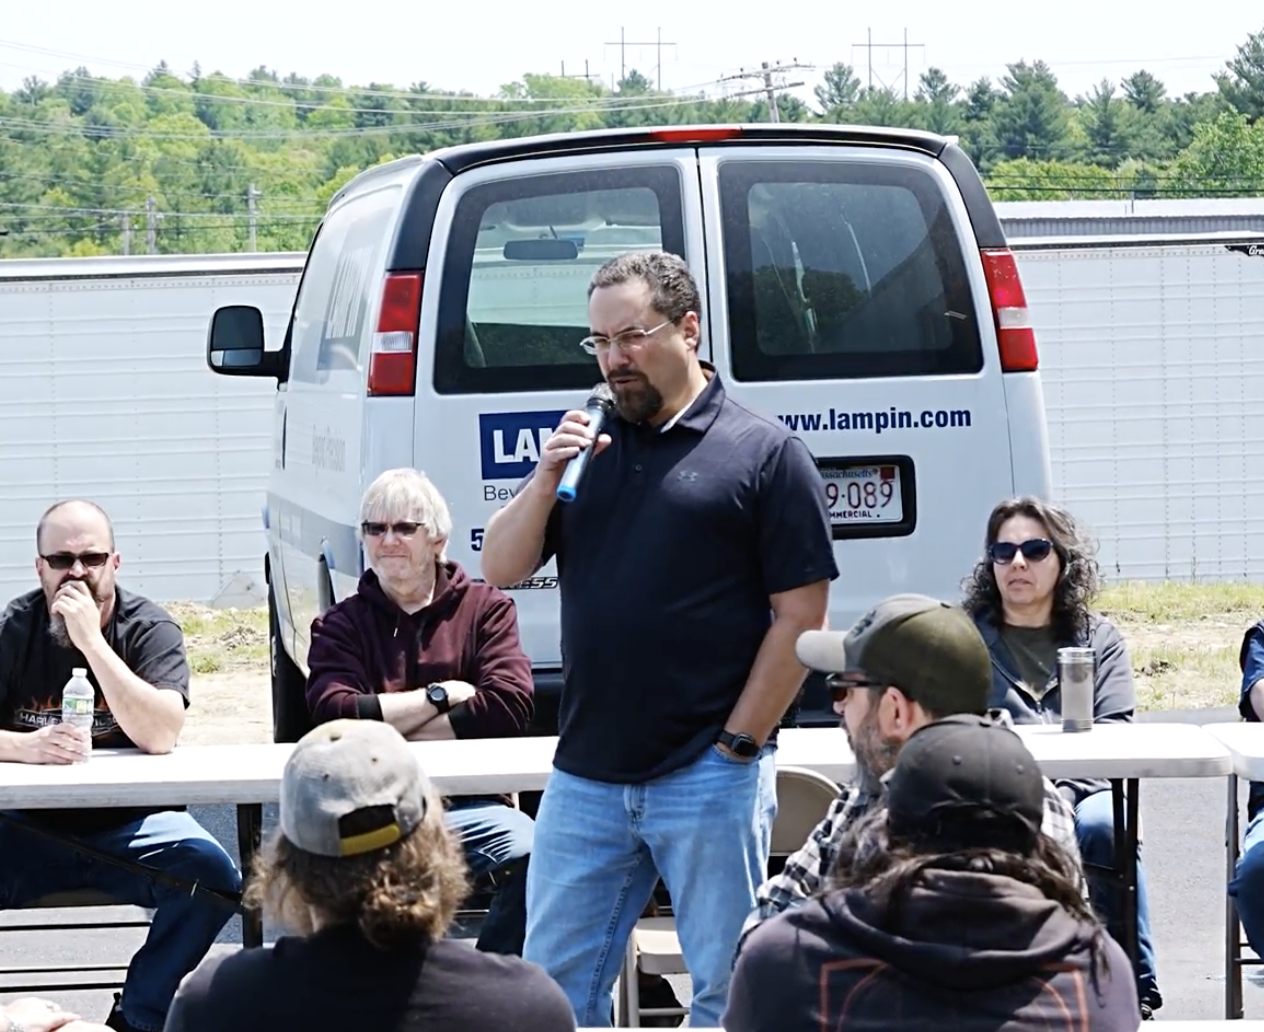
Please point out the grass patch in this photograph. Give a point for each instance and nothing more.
(1184, 639)
(223, 640)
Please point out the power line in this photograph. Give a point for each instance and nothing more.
(623, 44)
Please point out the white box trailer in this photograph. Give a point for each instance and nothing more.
(104, 393)
(1152, 362)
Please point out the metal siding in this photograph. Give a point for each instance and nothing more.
(105, 393)
(1154, 380)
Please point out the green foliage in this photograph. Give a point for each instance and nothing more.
(88, 162)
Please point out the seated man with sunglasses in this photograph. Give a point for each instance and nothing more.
(435, 654)
(908, 662)
(1030, 595)
(133, 652)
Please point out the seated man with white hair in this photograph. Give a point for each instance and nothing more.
(435, 654)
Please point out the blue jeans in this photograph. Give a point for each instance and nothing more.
(497, 840)
(1095, 831)
(600, 849)
(184, 926)
(1247, 886)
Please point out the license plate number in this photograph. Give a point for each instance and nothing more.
(863, 494)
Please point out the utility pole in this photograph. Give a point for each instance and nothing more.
(623, 45)
(869, 47)
(126, 218)
(252, 195)
(151, 225)
(770, 87)
(586, 76)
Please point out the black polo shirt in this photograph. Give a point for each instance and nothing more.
(666, 561)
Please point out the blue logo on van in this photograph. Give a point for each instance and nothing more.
(511, 441)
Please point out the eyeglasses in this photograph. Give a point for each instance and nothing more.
(1034, 551)
(628, 340)
(67, 560)
(404, 528)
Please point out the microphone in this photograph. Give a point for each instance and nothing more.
(600, 405)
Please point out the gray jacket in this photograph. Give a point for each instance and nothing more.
(1114, 691)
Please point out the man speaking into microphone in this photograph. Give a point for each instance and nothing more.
(695, 551)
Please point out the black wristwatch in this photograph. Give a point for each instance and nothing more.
(740, 744)
(438, 696)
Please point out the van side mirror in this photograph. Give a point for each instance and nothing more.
(234, 346)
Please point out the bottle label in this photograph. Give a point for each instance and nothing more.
(77, 706)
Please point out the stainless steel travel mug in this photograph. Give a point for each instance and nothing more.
(1075, 684)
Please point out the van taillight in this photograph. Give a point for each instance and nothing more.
(1014, 332)
(393, 356)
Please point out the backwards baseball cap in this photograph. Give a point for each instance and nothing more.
(964, 782)
(351, 787)
(929, 649)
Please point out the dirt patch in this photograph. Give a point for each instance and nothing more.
(229, 709)
(230, 698)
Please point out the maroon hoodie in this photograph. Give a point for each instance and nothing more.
(366, 645)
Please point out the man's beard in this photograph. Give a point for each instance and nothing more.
(57, 631)
(875, 755)
(637, 401)
(57, 623)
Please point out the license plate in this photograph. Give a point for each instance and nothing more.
(863, 494)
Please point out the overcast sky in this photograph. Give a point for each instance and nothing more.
(478, 47)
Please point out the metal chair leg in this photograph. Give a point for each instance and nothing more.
(1233, 931)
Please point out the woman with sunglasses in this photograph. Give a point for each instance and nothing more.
(1030, 595)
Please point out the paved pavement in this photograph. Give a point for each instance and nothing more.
(1184, 853)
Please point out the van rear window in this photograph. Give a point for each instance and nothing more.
(842, 270)
(514, 301)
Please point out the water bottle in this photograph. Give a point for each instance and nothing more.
(78, 701)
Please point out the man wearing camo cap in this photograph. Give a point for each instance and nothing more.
(909, 661)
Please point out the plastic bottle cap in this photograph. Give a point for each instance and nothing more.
(79, 671)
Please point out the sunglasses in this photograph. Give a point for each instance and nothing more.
(67, 560)
(1034, 551)
(838, 685)
(404, 528)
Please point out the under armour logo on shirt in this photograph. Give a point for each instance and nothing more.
(687, 475)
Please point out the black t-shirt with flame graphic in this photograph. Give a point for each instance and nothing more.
(34, 669)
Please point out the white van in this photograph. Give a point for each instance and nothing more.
(856, 285)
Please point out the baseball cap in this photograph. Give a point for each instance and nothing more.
(963, 782)
(930, 650)
(351, 787)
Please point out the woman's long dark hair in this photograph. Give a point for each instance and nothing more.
(887, 870)
(1077, 586)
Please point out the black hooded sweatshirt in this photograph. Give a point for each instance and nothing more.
(970, 952)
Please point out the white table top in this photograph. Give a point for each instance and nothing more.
(207, 774)
(1245, 743)
(203, 774)
(1127, 751)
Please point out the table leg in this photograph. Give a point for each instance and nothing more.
(1124, 797)
(1233, 939)
(249, 836)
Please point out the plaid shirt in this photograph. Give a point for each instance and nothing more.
(805, 871)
